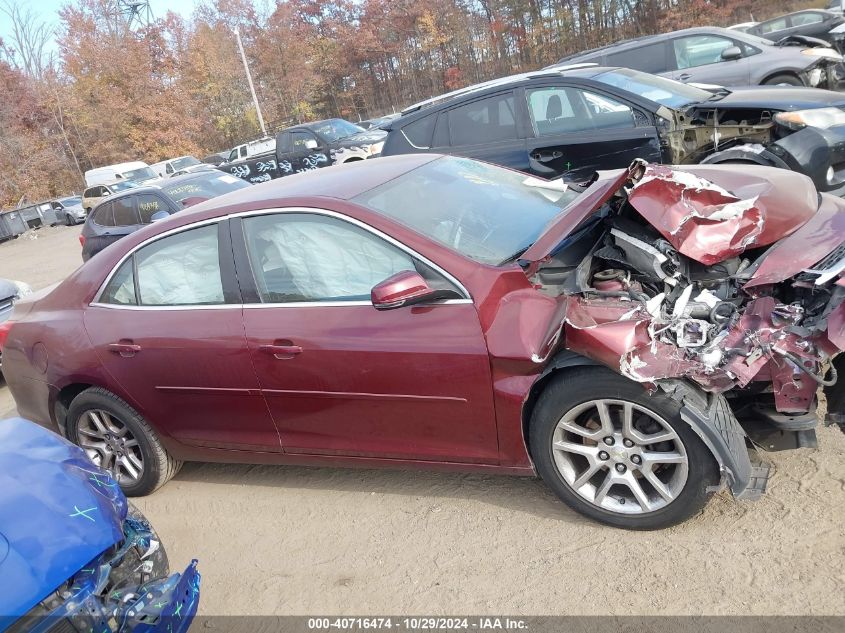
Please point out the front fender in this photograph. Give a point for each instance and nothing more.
(813, 151)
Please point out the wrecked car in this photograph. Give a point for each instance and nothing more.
(572, 121)
(626, 339)
(74, 555)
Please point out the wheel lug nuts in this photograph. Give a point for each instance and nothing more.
(636, 459)
(603, 455)
(620, 468)
(628, 443)
(608, 441)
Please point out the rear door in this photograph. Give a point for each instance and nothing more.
(698, 58)
(489, 129)
(578, 131)
(168, 329)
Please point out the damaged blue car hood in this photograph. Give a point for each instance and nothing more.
(57, 512)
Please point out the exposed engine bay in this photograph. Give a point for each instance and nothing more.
(706, 290)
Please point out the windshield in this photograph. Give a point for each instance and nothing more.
(69, 202)
(487, 213)
(122, 185)
(185, 161)
(335, 129)
(208, 185)
(141, 174)
(658, 89)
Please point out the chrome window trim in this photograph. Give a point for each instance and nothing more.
(467, 298)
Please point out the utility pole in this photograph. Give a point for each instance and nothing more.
(249, 79)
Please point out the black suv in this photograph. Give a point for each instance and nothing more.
(572, 121)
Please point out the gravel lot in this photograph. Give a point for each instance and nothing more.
(293, 541)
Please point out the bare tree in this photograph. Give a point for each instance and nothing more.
(29, 38)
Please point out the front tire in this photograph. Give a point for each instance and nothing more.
(118, 439)
(618, 455)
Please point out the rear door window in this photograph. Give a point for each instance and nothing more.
(124, 211)
(773, 25)
(484, 121)
(648, 58)
(149, 204)
(803, 19)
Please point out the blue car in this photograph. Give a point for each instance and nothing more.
(74, 554)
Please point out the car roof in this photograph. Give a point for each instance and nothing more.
(658, 37)
(342, 182)
(153, 187)
(555, 70)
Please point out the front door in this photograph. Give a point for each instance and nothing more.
(698, 59)
(342, 378)
(307, 152)
(577, 132)
(168, 329)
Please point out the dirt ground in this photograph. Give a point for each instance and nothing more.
(294, 541)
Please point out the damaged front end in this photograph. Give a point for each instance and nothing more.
(126, 588)
(729, 296)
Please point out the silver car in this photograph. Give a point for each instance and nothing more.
(722, 57)
(69, 210)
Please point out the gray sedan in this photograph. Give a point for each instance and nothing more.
(720, 56)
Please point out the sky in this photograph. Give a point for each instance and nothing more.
(48, 10)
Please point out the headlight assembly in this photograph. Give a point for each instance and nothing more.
(829, 53)
(820, 118)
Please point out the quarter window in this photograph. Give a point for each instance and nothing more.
(561, 110)
(298, 257)
(650, 58)
(103, 215)
(419, 132)
(121, 288)
(483, 121)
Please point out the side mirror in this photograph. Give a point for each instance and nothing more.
(731, 53)
(311, 143)
(402, 289)
(159, 215)
(107, 192)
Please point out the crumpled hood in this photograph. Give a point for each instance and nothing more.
(711, 213)
(57, 512)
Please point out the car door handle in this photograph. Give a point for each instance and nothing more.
(281, 352)
(545, 157)
(684, 76)
(125, 349)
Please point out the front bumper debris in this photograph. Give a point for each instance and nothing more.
(127, 588)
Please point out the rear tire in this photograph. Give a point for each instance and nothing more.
(613, 468)
(783, 80)
(120, 440)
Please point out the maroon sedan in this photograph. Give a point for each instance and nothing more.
(625, 340)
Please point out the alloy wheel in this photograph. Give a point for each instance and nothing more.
(620, 456)
(110, 444)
